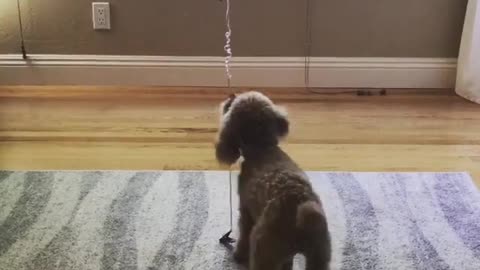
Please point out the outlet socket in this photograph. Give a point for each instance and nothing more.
(101, 15)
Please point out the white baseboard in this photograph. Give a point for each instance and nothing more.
(43, 69)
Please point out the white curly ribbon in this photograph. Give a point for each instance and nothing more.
(228, 48)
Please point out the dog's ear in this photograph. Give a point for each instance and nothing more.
(282, 123)
(225, 105)
(227, 148)
(282, 126)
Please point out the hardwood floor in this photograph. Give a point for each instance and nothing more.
(173, 128)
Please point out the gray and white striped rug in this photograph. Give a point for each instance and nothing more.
(172, 220)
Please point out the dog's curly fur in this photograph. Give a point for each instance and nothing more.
(280, 215)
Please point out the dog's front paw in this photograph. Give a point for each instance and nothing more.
(240, 257)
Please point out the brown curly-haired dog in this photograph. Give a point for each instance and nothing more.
(280, 215)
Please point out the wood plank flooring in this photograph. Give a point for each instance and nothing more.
(173, 128)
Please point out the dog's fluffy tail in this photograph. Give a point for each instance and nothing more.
(313, 235)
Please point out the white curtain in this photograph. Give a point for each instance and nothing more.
(468, 72)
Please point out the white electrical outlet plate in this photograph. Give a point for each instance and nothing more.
(101, 15)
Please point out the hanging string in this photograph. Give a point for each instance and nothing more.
(228, 48)
(231, 199)
(20, 25)
(226, 239)
(228, 58)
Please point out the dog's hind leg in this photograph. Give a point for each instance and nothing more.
(269, 249)
(288, 265)
(314, 238)
(317, 263)
(318, 255)
(246, 224)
